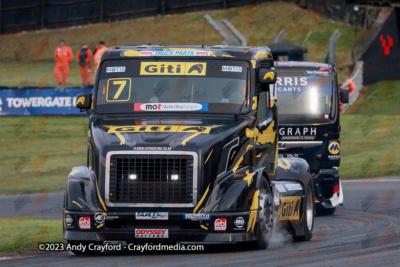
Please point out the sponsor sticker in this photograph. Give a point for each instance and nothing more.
(280, 188)
(294, 82)
(173, 68)
(171, 107)
(297, 133)
(115, 69)
(84, 222)
(276, 200)
(220, 224)
(175, 53)
(112, 217)
(151, 215)
(289, 208)
(196, 216)
(317, 72)
(151, 148)
(293, 187)
(99, 217)
(231, 69)
(239, 223)
(297, 84)
(334, 148)
(118, 130)
(151, 233)
(333, 157)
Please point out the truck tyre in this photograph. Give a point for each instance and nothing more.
(87, 251)
(322, 211)
(308, 214)
(265, 220)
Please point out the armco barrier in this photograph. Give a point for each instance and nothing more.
(50, 101)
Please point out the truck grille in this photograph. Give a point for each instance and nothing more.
(145, 178)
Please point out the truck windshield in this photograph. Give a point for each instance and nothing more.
(305, 99)
(169, 85)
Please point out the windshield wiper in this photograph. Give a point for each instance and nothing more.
(240, 110)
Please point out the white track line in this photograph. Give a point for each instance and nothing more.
(377, 179)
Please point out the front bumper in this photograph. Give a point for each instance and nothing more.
(124, 226)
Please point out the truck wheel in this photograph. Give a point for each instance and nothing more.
(322, 211)
(86, 243)
(308, 214)
(265, 220)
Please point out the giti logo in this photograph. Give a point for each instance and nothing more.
(173, 68)
(195, 130)
(289, 208)
(81, 100)
(334, 148)
(270, 75)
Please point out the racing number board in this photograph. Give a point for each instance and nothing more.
(118, 89)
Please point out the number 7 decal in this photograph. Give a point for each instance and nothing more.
(116, 87)
(121, 87)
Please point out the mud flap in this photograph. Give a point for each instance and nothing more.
(288, 204)
(337, 198)
(328, 188)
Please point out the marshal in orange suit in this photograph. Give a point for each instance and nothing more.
(97, 54)
(83, 59)
(63, 57)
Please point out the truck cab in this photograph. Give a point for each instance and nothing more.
(309, 125)
(183, 147)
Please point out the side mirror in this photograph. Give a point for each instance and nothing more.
(266, 76)
(83, 101)
(344, 96)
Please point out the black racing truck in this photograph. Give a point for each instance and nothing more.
(183, 147)
(309, 125)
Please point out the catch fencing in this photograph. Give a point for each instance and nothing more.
(26, 15)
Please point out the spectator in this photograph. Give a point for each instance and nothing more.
(63, 57)
(97, 54)
(84, 57)
(350, 84)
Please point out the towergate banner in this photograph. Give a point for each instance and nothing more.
(50, 101)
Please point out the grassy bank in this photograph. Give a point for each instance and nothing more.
(37, 153)
(31, 53)
(370, 138)
(19, 234)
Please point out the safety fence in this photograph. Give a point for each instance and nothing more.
(40, 14)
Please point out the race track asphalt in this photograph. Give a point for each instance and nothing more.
(363, 232)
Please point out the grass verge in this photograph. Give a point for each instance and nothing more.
(37, 153)
(370, 137)
(19, 234)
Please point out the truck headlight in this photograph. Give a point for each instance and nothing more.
(174, 177)
(132, 176)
